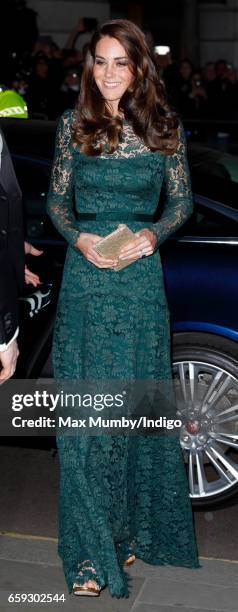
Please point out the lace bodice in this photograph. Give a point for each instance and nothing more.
(133, 172)
(130, 145)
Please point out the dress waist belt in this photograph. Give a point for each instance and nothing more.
(114, 216)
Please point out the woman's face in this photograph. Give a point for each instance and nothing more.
(112, 71)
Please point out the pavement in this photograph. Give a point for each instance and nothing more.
(29, 562)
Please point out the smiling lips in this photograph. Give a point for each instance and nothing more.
(112, 84)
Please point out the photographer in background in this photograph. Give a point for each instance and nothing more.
(197, 97)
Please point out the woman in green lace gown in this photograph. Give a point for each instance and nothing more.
(120, 495)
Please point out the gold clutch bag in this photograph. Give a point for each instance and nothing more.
(111, 245)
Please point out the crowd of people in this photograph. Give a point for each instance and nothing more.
(49, 81)
(48, 77)
(207, 92)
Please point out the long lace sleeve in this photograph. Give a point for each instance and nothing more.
(178, 193)
(60, 196)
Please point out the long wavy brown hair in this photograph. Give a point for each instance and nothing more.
(144, 103)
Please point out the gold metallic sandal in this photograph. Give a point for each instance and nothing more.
(81, 589)
(131, 559)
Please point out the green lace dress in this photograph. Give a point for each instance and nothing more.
(118, 493)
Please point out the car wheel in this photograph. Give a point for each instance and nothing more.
(205, 371)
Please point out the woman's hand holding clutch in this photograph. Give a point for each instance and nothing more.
(143, 244)
(85, 244)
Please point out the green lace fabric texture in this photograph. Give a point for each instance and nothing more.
(119, 494)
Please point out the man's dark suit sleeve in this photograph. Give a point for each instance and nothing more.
(11, 248)
(8, 301)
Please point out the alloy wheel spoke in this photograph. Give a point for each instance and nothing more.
(228, 410)
(191, 478)
(182, 381)
(201, 476)
(215, 390)
(191, 371)
(227, 439)
(225, 464)
(228, 419)
(218, 467)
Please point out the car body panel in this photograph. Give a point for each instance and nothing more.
(201, 286)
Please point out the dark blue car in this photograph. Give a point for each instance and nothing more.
(200, 264)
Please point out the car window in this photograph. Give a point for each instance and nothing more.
(213, 166)
(205, 220)
(208, 222)
(34, 178)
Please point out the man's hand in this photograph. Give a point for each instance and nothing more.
(85, 244)
(8, 361)
(143, 244)
(31, 250)
(31, 277)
